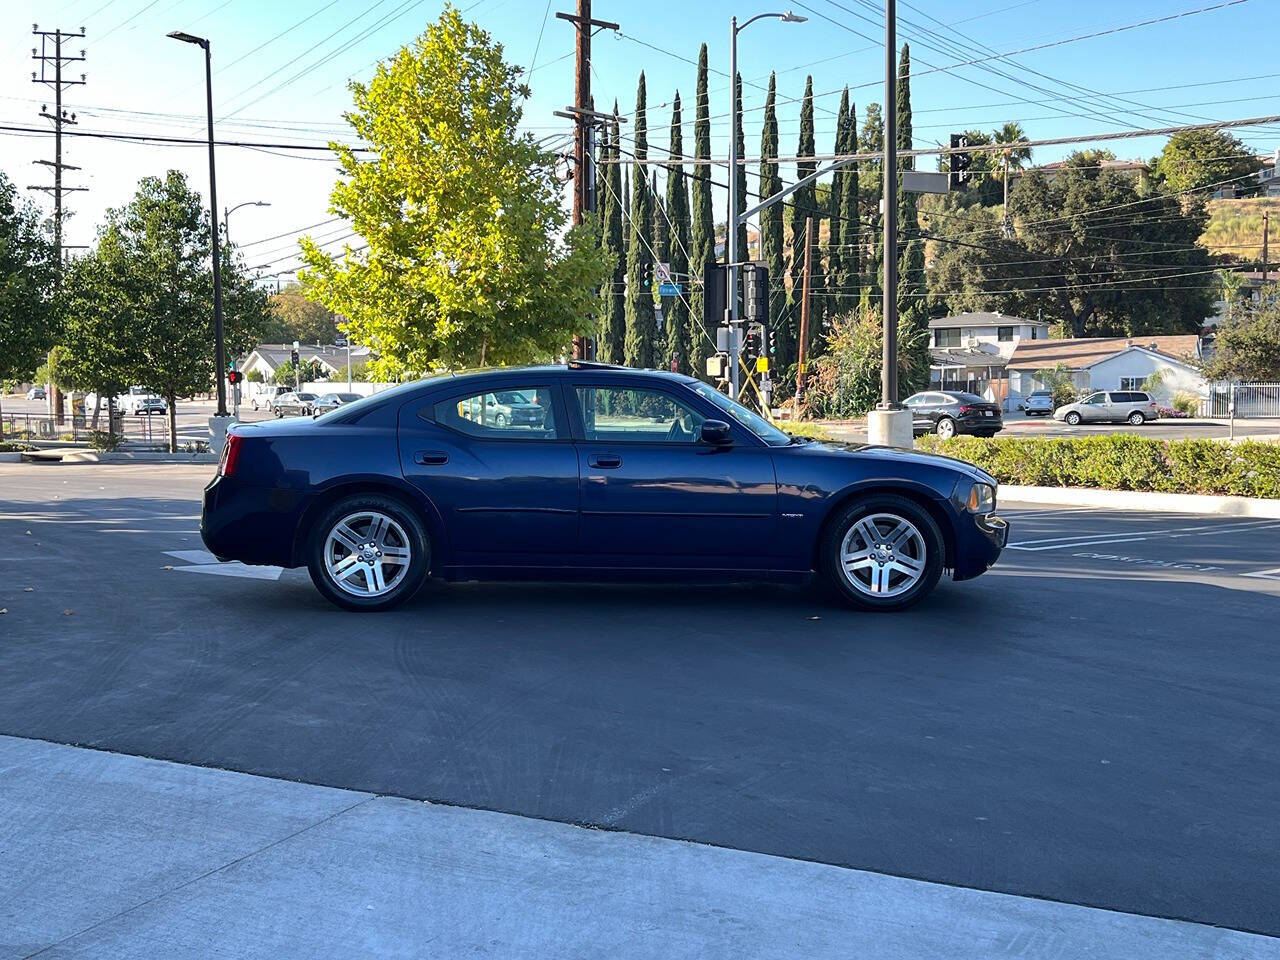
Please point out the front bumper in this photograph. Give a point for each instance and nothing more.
(979, 540)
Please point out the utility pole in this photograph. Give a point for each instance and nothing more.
(60, 117)
(804, 309)
(585, 122)
(1266, 229)
(1006, 226)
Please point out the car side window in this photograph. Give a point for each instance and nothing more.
(624, 415)
(1096, 398)
(512, 413)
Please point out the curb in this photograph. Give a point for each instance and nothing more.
(11, 457)
(1142, 501)
(91, 456)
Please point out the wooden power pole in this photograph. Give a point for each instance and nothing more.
(803, 351)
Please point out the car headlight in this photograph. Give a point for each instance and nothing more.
(982, 498)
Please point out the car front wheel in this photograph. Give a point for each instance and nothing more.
(1073, 418)
(369, 552)
(883, 553)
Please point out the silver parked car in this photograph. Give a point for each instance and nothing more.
(1039, 403)
(1110, 406)
(331, 401)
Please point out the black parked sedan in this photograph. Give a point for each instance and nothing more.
(621, 474)
(948, 412)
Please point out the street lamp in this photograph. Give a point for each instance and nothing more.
(226, 214)
(732, 245)
(220, 350)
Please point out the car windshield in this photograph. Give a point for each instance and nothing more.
(512, 396)
(968, 398)
(306, 396)
(757, 424)
(346, 397)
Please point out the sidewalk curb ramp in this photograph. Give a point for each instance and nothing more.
(1142, 501)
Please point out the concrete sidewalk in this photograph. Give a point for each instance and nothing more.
(104, 855)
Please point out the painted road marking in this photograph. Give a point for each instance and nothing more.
(1163, 564)
(202, 561)
(1130, 536)
(1272, 574)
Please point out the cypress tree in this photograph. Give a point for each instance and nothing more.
(771, 241)
(852, 230)
(872, 141)
(641, 336)
(804, 204)
(661, 235)
(613, 310)
(677, 314)
(741, 174)
(835, 229)
(911, 306)
(703, 232)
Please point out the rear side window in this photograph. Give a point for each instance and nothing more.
(512, 413)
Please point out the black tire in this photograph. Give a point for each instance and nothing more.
(1073, 419)
(500, 420)
(1137, 418)
(419, 561)
(838, 527)
(939, 427)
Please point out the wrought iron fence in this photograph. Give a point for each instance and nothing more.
(77, 428)
(1250, 400)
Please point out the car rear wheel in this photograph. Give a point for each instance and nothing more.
(368, 552)
(500, 420)
(883, 553)
(1137, 419)
(946, 427)
(1073, 418)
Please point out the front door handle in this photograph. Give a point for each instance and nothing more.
(431, 457)
(604, 461)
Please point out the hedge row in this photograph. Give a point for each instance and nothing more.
(1123, 462)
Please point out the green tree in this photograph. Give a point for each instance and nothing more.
(1247, 345)
(642, 324)
(461, 214)
(703, 233)
(28, 271)
(804, 204)
(153, 268)
(613, 321)
(831, 204)
(852, 231)
(677, 312)
(1060, 381)
(1011, 133)
(871, 140)
(846, 382)
(911, 285)
(771, 240)
(1073, 257)
(295, 316)
(741, 173)
(97, 334)
(1196, 159)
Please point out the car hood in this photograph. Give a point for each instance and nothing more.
(838, 448)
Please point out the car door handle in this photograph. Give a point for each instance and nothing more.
(604, 461)
(431, 457)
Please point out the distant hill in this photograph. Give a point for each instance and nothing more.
(1235, 227)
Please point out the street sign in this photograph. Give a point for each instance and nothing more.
(923, 181)
(670, 290)
(662, 272)
(762, 364)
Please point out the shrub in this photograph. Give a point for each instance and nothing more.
(1187, 404)
(1123, 462)
(103, 440)
(799, 428)
(15, 446)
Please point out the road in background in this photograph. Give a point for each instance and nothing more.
(1093, 721)
(1020, 425)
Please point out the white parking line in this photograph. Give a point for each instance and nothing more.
(205, 562)
(1272, 574)
(1088, 539)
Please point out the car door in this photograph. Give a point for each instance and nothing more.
(653, 494)
(507, 494)
(1095, 408)
(918, 404)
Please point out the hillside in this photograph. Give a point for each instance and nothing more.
(1235, 227)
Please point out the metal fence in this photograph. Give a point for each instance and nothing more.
(1250, 400)
(75, 428)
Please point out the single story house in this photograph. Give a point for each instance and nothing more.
(1112, 363)
(267, 358)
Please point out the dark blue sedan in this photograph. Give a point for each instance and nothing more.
(587, 472)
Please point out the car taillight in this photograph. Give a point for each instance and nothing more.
(1152, 404)
(230, 455)
(966, 409)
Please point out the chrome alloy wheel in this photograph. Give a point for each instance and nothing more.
(366, 554)
(883, 555)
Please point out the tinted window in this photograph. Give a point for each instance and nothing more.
(757, 424)
(946, 338)
(968, 398)
(487, 415)
(1096, 398)
(306, 396)
(644, 416)
(1004, 334)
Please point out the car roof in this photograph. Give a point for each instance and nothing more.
(572, 369)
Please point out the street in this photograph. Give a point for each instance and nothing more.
(1091, 722)
(1020, 425)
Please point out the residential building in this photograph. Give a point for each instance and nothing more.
(1135, 168)
(1113, 363)
(969, 350)
(267, 358)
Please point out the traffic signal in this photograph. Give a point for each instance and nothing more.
(960, 162)
(755, 293)
(713, 293)
(293, 358)
(752, 344)
(235, 376)
(772, 337)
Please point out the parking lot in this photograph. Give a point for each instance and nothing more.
(1094, 721)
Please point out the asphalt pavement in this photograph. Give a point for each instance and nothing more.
(1020, 425)
(1094, 721)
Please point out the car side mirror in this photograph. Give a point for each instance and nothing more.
(716, 433)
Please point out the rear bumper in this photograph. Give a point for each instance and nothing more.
(254, 525)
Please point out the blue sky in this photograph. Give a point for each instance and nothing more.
(293, 88)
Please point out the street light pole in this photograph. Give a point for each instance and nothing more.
(889, 174)
(731, 246)
(220, 350)
(226, 214)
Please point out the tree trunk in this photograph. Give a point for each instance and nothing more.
(97, 406)
(172, 401)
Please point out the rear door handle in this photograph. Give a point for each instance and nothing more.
(604, 461)
(430, 457)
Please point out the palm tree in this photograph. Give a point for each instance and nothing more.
(1012, 132)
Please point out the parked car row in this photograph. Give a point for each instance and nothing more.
(1103, 406)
